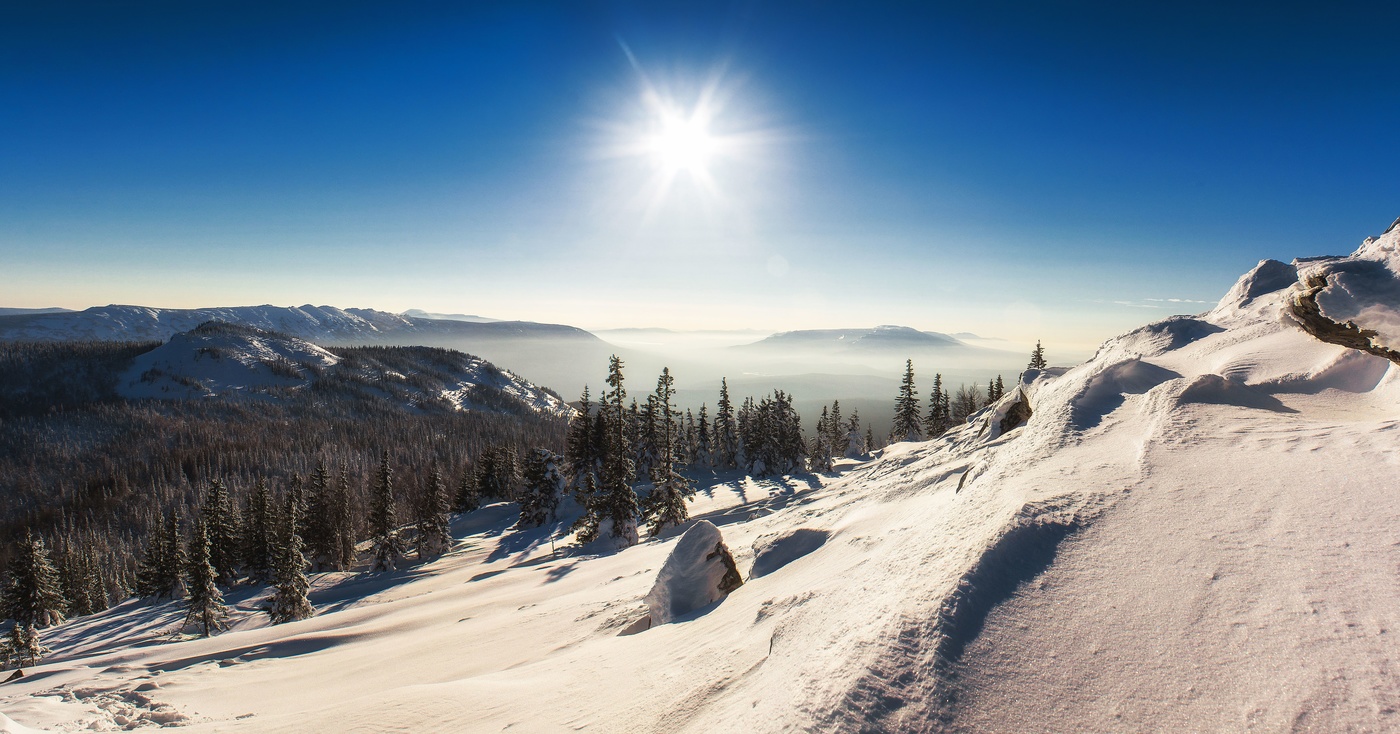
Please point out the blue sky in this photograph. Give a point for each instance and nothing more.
(1053, 170)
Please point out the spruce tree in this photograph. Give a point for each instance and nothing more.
(289, 602)
(579, 450)
(665, 505)
(704, 445)
(33, 595)
(544, 487)
(383, 520)
(614, 502)
(906, 408)
(343, 527)
(726, 431)
(219, 522)
(205, 604)
(258, 534)
(319, 530)
(836, 429)
(935, 423)
(162, 571)
(1001, 388)
(856, 446)
(1038, 358)
(434, 535)
(467, 498)
(22, 647)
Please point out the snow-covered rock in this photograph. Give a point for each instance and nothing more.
(700, 571)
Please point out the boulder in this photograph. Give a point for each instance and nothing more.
(699, 572)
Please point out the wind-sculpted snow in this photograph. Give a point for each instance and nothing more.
(1193, 531)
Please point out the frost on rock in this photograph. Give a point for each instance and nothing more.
(699, 572)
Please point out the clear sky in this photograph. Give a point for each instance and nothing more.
(1054, 170)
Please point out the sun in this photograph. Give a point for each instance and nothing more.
(682, 144)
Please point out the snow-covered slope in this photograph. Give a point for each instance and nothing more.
(549, 354)
(1193, 531)
(218, 360)
(322, 324)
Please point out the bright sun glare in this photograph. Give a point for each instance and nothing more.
(682, 144)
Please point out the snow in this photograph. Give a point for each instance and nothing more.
(698, 573)
(222, 361)
(1194, 531)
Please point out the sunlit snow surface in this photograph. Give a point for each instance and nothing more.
(1196, 531)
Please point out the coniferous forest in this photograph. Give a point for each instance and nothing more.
(108, 497)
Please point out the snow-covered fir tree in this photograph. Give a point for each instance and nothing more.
(544, 488)
(383, 519)
(580, 452)
(22, 648)
(665, 505)
(820, 451)
(434, 535)
(258, 534)
(704, 445)
(161, 573)
(319, 530)
(613, 505)
(222, 527)
(32, 594)
(497, 474)
(836, 429)
(856, 445)
(906, 409)
(726, 431)
(343, 521)
(467, 499)
(289, 602)
(936, 421)
(204, 603)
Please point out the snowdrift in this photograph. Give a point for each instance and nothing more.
(1192, 531)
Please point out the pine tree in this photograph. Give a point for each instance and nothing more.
(544, 487)
(296, 500)
(856, 446)
(434, 535)
(836, 429)
(821, 445)
(162, 571)
(1038, 358)
(580, 451)
(219, 522)
(936, 422)
(614, 502)
(588, 526)
(665, 505)
(33, 595)
(258, 534)
(289, 602)
(204, 602)
(726, 432)
(704, 446)
(343, 521)
(22, 647)
(383, 522)
(319, 530)
(906, 408)
(1001, 388)
(467, 498)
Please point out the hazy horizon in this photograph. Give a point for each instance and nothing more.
(1055, 174)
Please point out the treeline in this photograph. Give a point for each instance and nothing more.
(946, 409)
(95, 474)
